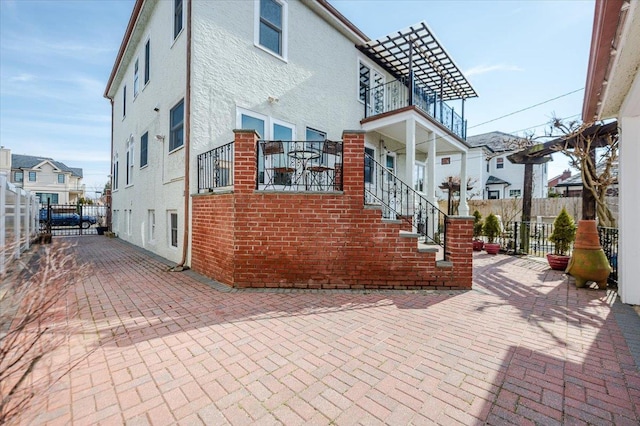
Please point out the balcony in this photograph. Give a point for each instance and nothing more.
(397, 94)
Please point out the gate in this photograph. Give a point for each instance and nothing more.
(73, 219)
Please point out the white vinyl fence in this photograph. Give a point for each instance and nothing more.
(18, 221)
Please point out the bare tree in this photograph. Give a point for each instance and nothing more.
(33, 323)
(598, 174)
(451, 184)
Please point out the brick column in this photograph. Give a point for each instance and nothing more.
(460, 248)
(245, 161)
(353, 159)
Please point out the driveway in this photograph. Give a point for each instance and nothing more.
(523, 347)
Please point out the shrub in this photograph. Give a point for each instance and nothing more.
(477, 224)
(564, 233)
(491, 227)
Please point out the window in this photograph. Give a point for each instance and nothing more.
(18, 176)
(418, 184)
(370, 82)
(152, 225)
(60, 178)
(115, 172)
(144, 144)
(115, 224)
(129, 172)
(315, 135)
(487, 167)
(177, 18)
(369, 155)
(45, 198)
(499, 163)
(135, 78)
(124, 102)
(176, 139)
(129, 222)
(173, 229)
(147, 61)
(513, 193)
(390, 162)
(493, 195)
(445, 160)
(271, 26)
(365, 77)
(32, 176)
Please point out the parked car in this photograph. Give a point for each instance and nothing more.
(67, 219)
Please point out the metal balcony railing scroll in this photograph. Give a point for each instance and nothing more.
(395, 95)
(400, 201)
(215, 168)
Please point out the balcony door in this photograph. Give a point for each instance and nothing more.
(371, 90)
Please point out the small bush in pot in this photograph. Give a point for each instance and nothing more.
(477, 231)
(564, 233)
(491, 230)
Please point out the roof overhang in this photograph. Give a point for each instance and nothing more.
(416, 48)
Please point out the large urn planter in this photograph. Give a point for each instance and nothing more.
(558, 262)
(478, 245)
(492, 248)
(588, 261)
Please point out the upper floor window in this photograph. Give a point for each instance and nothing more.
(115, 172)
(499, 163)
(135, 78)
(144, 144)
(18, 176)
(315, 135)
(124, 101)
(365, 79)
(445, 160)
(271, 23)
(32, 176)
(176, 138)
(177, 17)
(130, 161)
(147, 61)
(60, 178)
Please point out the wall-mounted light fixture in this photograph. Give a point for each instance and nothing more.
(157, 108)
(160, 138)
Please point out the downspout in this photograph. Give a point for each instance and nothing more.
(108, 196)
(187, 146)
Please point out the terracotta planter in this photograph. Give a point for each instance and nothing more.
(588, 261)
(478, 245)
(558, 262)
(492, 248)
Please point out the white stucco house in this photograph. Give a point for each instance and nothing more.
(492, 175)
(613, 91)
(189, 72)
(48, 179)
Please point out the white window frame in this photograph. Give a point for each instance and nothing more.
(130, 161)
(147, 63)
(170, 213)
(269, 122)
(124, 102)
(285, 29)
(174, 35)
(16, 174)
(499, 163)
(116, 167)
(152, 225)
(171, 128)
(373, 74)
(35, 176)
(63, 178)
(146, 151)
(136, 78)
(511, 191)
(417, 167)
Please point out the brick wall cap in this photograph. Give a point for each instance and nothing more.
(214, 192)
(460, 217)
(247, 131)
(353, 132)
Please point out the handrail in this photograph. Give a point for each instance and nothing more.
(215, 168)
(400, 201)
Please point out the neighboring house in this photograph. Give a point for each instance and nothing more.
(572, 187)
(492, 175)
(190, 72)
(613, 91)
(551, 185)
(49, 179)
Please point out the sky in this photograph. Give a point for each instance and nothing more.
(56, 57)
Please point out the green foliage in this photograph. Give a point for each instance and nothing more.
(477, 224)
(491, 227)
(564, 232)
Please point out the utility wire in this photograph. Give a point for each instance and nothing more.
(527, 108)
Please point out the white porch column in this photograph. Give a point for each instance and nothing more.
(431, 169)
(411, 151)
(463, 208)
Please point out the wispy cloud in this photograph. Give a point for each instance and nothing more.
(22, 78)
(484, 69)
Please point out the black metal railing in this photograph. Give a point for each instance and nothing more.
(72, 219)
(400, 201)
(395, 95)
(532, 238)
(299, 165)
(215, 168)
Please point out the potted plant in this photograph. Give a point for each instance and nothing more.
(478, 244)
(101, 228)
(491, 230)
(564, 233)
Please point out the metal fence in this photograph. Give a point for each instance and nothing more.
(532, 238)
(18, 221)
(73, 219)
(215, 168)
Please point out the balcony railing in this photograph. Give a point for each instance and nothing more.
(400, 201)
(395, 95)
(215, 168)
(300, 165)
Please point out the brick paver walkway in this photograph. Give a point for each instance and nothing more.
(524, 347)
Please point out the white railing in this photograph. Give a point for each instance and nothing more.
(18, 221)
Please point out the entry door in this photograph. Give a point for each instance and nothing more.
(369, 173)
(389, 187)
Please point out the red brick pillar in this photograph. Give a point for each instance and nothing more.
(245, 161)
(353, 162)
(460, 248)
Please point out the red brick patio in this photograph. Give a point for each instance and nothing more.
(523, 347)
